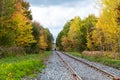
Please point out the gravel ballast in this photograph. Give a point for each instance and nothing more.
(55, 70)
(103, 67)
(85, 72)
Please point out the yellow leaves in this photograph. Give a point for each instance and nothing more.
(16, 26)
(75, 32)
(42, 36)
(107, 28)
(24, 28)
(10, 75)
(74, 28)
(25, 39)
(42, 42)
(64, 40)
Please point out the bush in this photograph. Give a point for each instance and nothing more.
(15, 68)
(11, 51)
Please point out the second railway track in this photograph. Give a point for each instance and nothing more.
(113, 77)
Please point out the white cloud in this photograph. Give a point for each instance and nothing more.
(54, 17)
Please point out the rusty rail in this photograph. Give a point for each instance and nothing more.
(75, 75)
(94, 67)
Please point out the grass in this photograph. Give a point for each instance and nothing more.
(104, 60)
(14, 68)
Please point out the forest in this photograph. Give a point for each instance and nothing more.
(18, 32)
(25, 44)
(93, 33)
(94, 36)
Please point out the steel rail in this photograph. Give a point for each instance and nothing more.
(94, 67)
(75, 75)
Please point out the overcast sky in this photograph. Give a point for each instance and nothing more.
(53, 14)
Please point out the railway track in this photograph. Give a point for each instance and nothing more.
(75, 75)
(94, 67)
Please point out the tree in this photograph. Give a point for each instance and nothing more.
(49, 39)
(6, 10)
(65, 43)
(58, 41)
(88, 26)
(108, 25)
(27, 12)
(16, 27)
(74, 33)
(23, 34)
(62, 34)
(42, 36)
(73, 37)
(43, 42)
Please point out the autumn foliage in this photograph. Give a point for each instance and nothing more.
(73, 37)
(16, 27)
(92, 33)
(42, 36)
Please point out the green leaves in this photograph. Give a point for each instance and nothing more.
(73, 37)
(93, 33)
(107, 27)
(15, 68)
(13, 26)
(16, 27)
(42, 36)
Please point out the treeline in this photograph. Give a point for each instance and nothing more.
(92, 33)
(18, 34)
(43, 37)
